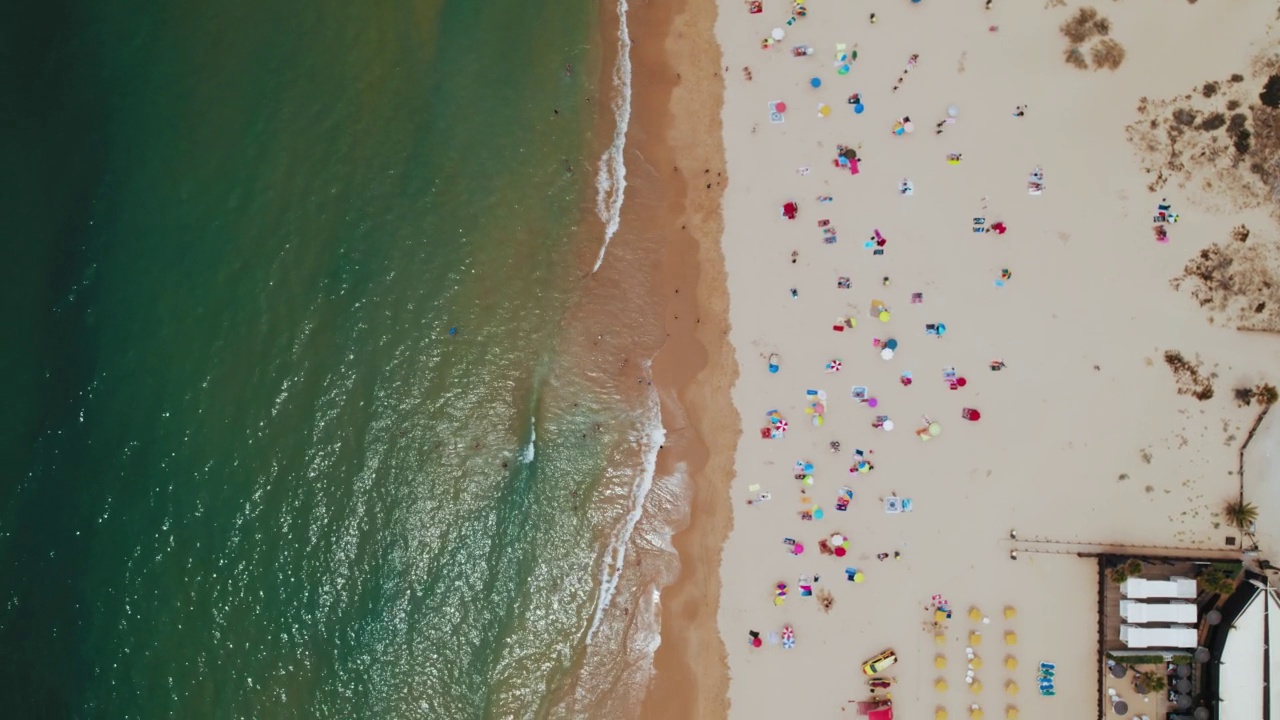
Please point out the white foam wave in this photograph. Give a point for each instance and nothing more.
(611, 179)
(652, 435)
(526, 457)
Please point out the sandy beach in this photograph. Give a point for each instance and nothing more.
(1084, 439)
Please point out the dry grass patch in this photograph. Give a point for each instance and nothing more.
(1107, 54)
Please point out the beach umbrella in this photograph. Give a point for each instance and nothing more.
(780, 106)
(1011, 663)
(961, 382)
(859, 577)
(909, 126)
(781, 425)
(841, 552)
(756, 642)
(872, 402)
(975, 614)
(888, 425)
(884, 316)
(1011, 638)
(952, 111)
(941, 714)
(778, 33)
(834, 366)
(940, 685)
(808, 480)
(935, 429)
(940, 661)
(817, 513)
(824, 110)
(976, 687)
(891, 344)
(886, 353)
(1011, 688)
(975, 638)
(858, 108)
(843, 70)
(939, 639)
(898, 129)
(798, 549)
(975, 713)
(838, 539)
(975, 662)
(1011, 713)
(815, 82)
(1010, 613)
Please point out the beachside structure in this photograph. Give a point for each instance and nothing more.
(1174, 613)
(1245, 671)
(1143, 636)
(1174, 588)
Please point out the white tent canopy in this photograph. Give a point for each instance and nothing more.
(1240, 676)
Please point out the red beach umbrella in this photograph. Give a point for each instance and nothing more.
(780, 107)
(961, 382)
(755, 642)
(840, 552)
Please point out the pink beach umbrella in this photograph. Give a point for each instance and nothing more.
(781, 425)
(872, 402)
(798, 549)
(780, 107)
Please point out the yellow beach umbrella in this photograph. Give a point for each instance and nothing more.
(884, 316)
(1011, 713)
(1011, 663)
(1010, 613)
(1011, 638)
(824, 109)
(941, 714)
(975, 614)
(940, 685)
(1011, 688)
(975, 713)
(976, 687)
(975, 638)
(939, 640)
(975, 662)
(939, 616)
(940, 661)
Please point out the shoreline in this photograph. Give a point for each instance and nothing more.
(676, 123)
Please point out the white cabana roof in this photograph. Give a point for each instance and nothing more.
(1240, 677)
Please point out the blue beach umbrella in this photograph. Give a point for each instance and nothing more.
(815, 82)
(858, 108)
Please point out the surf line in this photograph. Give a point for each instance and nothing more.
(651, 437)
(611, 180)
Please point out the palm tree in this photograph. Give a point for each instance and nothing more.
(1154, 681)
(1242, 515)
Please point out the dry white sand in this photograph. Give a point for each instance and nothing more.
(1083, 437)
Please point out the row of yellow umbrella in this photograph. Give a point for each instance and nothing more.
(1010, 662)
(975, 638)
(975, 687)
(1010, 612)
(975, 713)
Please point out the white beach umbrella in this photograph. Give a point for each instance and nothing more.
(778, 33)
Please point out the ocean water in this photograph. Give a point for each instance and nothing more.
(250, 470)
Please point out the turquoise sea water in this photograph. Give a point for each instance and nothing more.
(248, 471)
